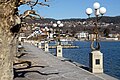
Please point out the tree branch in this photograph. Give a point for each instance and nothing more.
(42, 4)
(32, 3)
(29, 13)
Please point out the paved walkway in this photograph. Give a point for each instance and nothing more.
(45, 66)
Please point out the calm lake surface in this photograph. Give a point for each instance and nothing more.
(110, 50)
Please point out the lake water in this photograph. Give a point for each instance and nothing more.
(110, 50)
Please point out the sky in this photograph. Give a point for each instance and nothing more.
(66, 9)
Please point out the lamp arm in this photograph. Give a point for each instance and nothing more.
(99, 18)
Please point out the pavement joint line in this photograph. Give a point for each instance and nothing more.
(53, 77)
(67, 73)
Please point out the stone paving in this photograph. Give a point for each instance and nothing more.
(45, 66)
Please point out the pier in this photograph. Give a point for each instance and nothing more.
(40, 65)
(64, 46)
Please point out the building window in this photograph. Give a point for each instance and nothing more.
(97, 61)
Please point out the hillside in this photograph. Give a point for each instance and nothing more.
(74, 25)
(106, 19)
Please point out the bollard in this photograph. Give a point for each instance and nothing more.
(39, 45)
(46, 47)
(59, 51)
(96, 62)
(36, 43)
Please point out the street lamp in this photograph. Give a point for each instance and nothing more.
(46, 45)
(59, 46)
(96, 57)
(58, 25)
(47, 32)
(98, 12)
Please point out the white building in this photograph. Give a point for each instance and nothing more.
(82, 35)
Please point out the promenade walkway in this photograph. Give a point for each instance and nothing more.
(40, 65)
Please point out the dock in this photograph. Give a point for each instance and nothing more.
(63, 46)
(40, 65)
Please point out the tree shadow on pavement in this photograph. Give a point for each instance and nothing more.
(21, 54)
(21, 71)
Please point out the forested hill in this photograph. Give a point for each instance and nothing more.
(107, 19)
(115, 20)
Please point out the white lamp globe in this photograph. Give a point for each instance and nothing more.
(89, 11)
(96, 5)
(61, 25)
(58, 22)
(46, 28)
(51, 29)
(102, 10)
(54, 25)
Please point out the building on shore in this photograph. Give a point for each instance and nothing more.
(82, 35)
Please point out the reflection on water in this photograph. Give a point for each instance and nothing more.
(110, 50)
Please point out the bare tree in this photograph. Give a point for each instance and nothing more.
(10, 24)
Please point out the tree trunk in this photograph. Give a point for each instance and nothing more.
(7, 11)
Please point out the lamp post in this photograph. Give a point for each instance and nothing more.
(46, 41)
(58, 25)
(96, 57)
(59, 47)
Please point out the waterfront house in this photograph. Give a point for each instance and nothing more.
(82, 35)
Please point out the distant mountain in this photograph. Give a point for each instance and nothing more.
(74, 19)
(107, 19)
(115, 20)
(37, 20)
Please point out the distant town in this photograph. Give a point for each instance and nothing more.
(73, 29)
